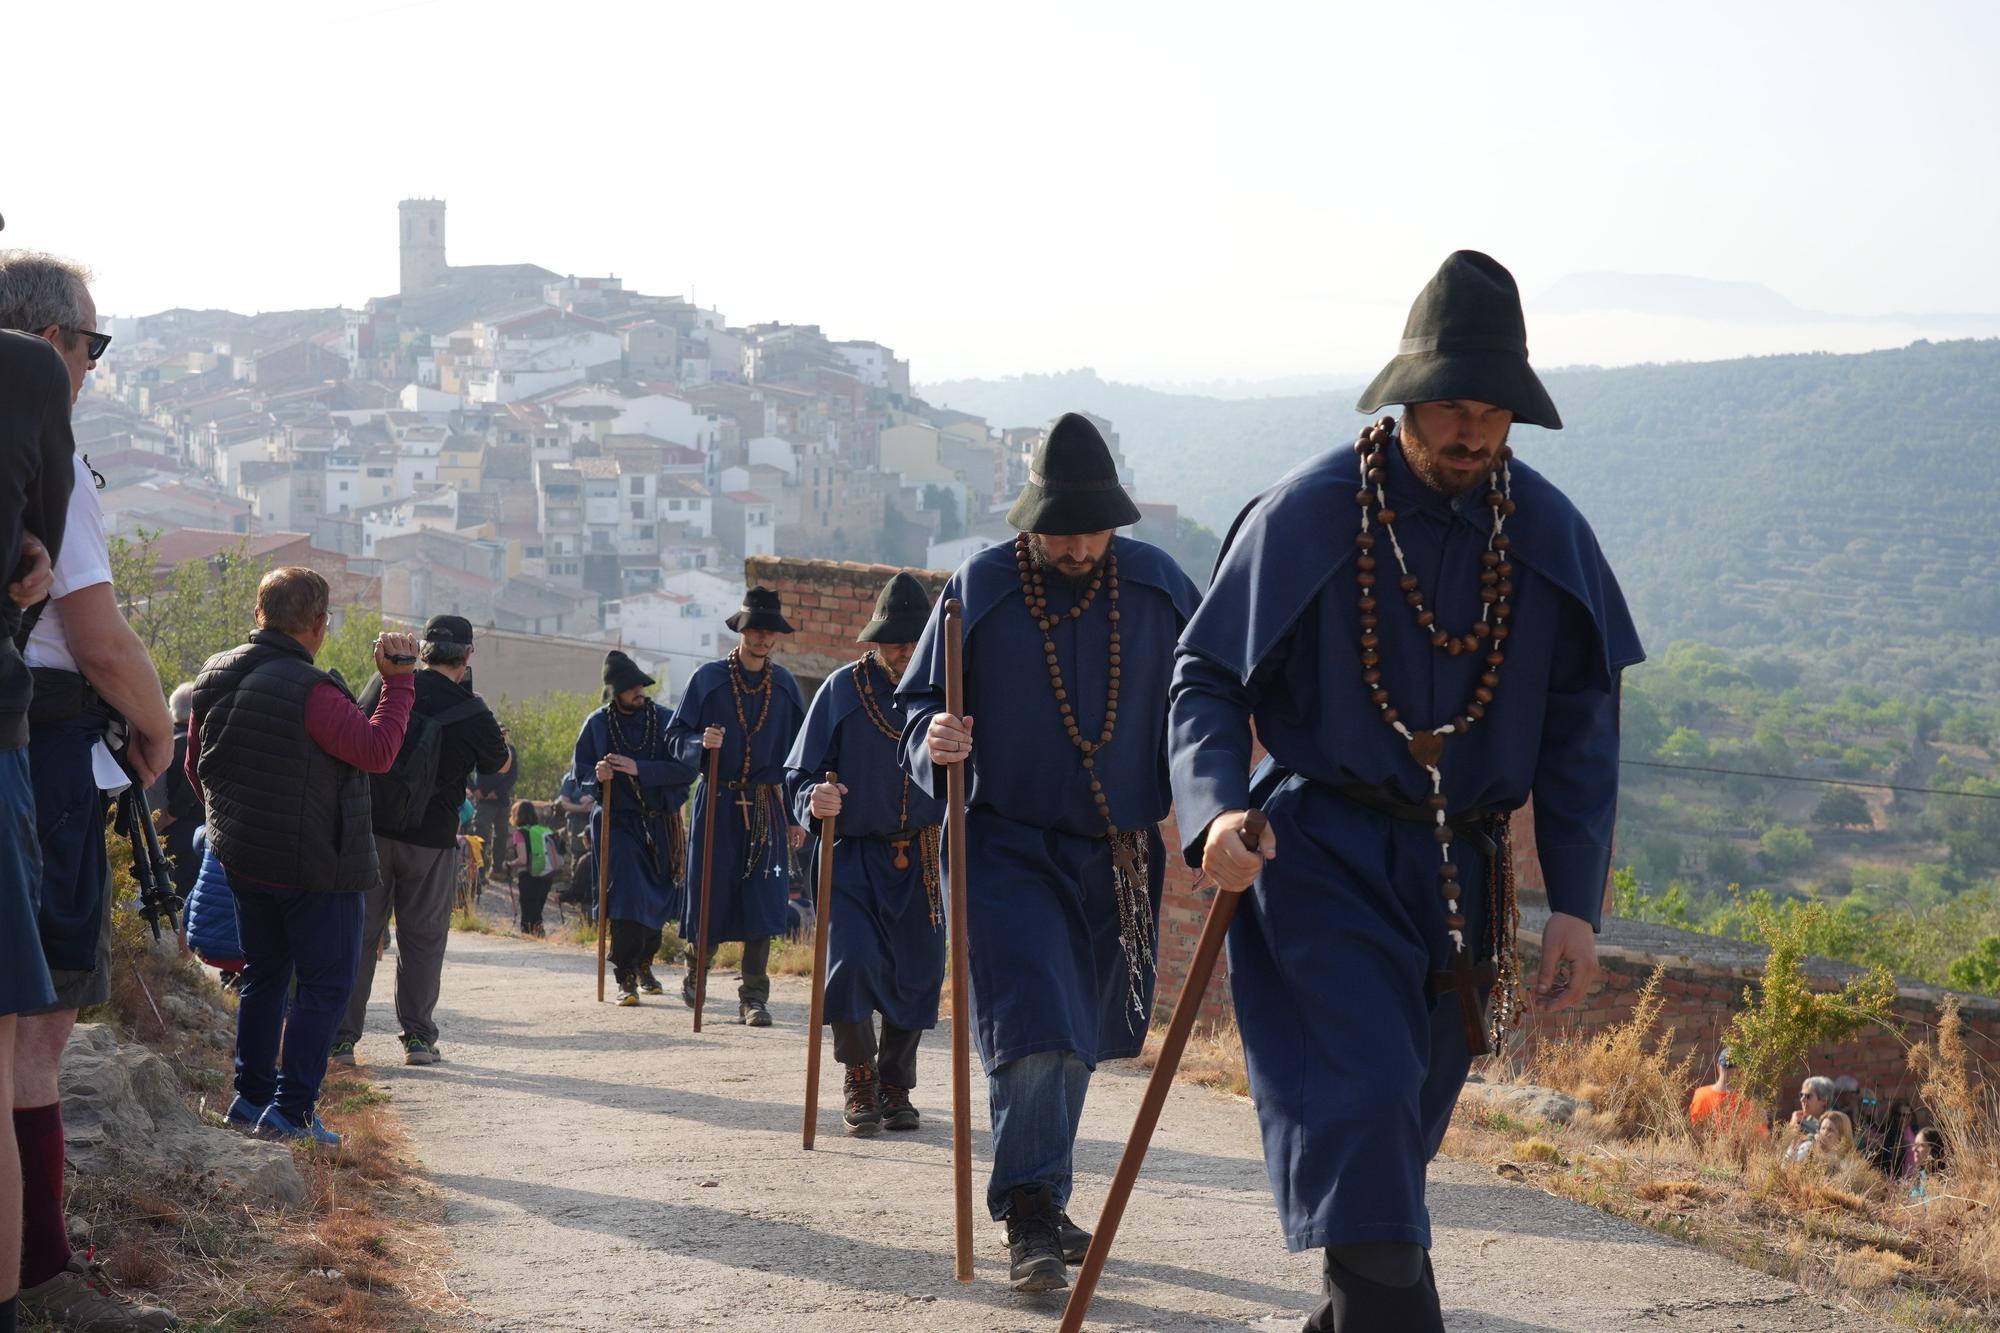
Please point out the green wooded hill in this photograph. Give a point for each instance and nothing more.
(1836, 511)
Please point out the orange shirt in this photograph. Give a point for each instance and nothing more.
(1710, 1099)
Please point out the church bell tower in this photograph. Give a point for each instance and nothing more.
(421, 242)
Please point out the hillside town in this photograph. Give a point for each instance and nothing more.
(544, 454)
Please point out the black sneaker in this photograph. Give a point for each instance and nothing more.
(650, 984)
(864, 1113)
(752, 1013)
(897, 1113)
(1075, 1240)
(1033, 1250)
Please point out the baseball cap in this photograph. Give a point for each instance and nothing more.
(1724, 1059)
(448, 629)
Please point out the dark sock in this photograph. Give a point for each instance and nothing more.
(8, 1308)
(1391, 1263)
(44, 1234)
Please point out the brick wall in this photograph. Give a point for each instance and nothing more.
(827, 602)
(1704, 984)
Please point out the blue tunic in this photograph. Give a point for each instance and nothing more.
(1354, 1069)
(748, 901)
(642, 886)
(884, 953)
(1048, 972)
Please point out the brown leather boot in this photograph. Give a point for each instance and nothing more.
(864, 1106)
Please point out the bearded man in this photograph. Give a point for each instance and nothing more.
(624, 745)
(885, 938)
(749, 708)
(1069, 636)
(1425, 634)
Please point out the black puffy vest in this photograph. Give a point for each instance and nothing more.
(280, 809)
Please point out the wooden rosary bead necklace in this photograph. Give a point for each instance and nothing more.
(865, 687)
(1035, 593)
(1496, 588)
(738, 691)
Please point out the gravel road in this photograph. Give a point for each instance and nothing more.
(604, 1168)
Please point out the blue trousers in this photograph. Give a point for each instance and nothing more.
(1037, 1106)
(281, 1048)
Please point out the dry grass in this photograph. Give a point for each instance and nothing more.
(1841, 1229)
(365, 1254)
(1213, 1057)
(1624, 1072)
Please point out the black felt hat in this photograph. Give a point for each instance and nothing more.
(901, 611)
(1072, 485)
(761, 610)
(1466, 338)
(621, 673)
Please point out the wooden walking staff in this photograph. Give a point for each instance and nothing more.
(603, 876)
(961, 977)
(821, 921)
(1213, 932)
(714, 794)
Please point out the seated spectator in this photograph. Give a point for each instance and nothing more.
(1835, 1139)
(1815, 1101)
(1929, 1155)
(211, 915)
(282, 755)
(535, 852)
(1896, 1154)
(1719, 1096)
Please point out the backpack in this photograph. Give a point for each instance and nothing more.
(398, 797)
(543, 858)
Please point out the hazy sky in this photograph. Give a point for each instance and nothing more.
(1163, 193)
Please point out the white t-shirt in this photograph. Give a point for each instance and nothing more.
(85, 561)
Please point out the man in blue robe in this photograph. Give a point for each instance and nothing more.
(749, 708)
(624, 745)
(1415, 676)
(885, 932)
(1069, 635)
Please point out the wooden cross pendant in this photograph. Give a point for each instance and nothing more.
(744, 802)
(1128, 864)
(1466, 979)
(902, 854)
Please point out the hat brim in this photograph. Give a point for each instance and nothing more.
(1067, 513)
(895, 629)
(770, 620)
(1500, 378)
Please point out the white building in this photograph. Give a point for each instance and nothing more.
(681, 624)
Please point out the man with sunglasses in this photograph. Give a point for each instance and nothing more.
(88, 666)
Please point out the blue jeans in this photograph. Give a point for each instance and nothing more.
(316, 936)
(1037, 1106)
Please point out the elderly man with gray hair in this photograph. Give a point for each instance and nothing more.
(89, 667)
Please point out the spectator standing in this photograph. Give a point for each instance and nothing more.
(493, 794)
(418, 860)
(576, 801)
(176, 809)
(88, 667)
(35, 481)
(535, 853)
(283, 756)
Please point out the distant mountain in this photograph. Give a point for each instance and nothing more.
(1812, 504)
(1670, 294)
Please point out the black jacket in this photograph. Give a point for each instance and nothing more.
(473, 742)
(36, 476)
(280, 809)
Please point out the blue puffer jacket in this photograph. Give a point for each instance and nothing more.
(211, 910)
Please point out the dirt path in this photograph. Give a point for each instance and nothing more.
(604, 1168)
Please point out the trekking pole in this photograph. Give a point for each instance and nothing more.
(707, 876)
(1213, 931)
(603, 878)
(961, 978)
(824, 919)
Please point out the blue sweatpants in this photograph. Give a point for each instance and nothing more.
(281, 1050)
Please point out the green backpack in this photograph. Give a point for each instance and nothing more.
(543, 859)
